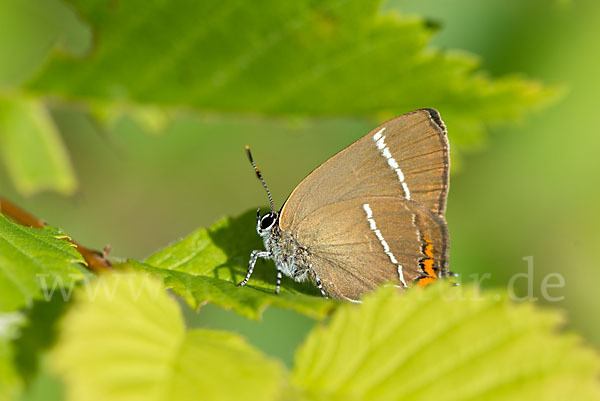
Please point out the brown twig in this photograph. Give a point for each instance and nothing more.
(96, 260)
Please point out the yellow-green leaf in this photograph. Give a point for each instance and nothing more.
(444, 344)
(128, 342)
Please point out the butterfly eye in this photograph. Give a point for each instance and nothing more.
(267, 221)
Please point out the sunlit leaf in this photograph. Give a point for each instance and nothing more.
(128, 342)
(35, 263)
(444, 344)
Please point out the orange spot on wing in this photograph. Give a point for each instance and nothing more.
(429, 248)
(428, 267)
(425, 281)
(427, 264)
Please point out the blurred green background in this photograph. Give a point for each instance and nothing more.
(527, 189)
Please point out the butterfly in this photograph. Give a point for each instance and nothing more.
(372, 213)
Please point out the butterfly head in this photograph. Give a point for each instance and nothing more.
(265, 223)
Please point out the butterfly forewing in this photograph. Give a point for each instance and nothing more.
(357, 244)
(406, 157)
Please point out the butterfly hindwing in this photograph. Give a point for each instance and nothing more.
(357, 244)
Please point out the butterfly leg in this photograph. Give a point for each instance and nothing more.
(318, 280)
(455, 276)
(278, 281)
(253, 257)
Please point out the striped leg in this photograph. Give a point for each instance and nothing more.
(318, 280)
(278, 280)
(253, 257)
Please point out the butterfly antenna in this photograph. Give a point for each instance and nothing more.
(259, 175)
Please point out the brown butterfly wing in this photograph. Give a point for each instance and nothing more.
(406, 157)
(357, 244)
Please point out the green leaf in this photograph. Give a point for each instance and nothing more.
(44, 386)
(10, 382)
(129, 343)
(32, 149)
(36, 336)
(444, 344)
(34, 264)
(302, 57)
(31, 29)
(207, 265)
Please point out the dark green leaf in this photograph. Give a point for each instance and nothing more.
(36, 336)
(207, 265)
